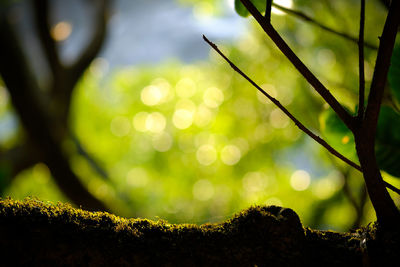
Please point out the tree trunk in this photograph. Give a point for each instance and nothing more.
(386, 211)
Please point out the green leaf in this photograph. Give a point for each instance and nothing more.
(387, 145)
(394, 73)
(337, 134)
(242, 10)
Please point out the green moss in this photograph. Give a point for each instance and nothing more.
(34, 232)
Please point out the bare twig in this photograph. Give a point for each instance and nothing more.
(361, 62)
(301, 126)
(299, 65)
(346, 189)
(318, 139)
(92, 162)
(268, 11)
(381, 69)
(391, 187)
(311, 20)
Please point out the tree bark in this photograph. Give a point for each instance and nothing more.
(260, 236)
(42, 128)
(386, 211)
(33, 233)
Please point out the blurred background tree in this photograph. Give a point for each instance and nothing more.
(152, 126)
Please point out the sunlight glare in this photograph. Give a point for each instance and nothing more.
(254, 182)
(213, 97)
(203, 116)
(230, 155)
(206, 155)
(284, 3)
(182, 118)
(139, 121)
(185, 87)
(300, 180)
(61, 31)
(151, 95)
(162, 142)
(155, 122)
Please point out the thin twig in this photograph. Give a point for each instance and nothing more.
(361, 62)
(313, 21)
(391, 187)
(268, 11)
(300, 66)
(318, 139)
(347, 192)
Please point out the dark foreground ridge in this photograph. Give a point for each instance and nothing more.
(37, 233)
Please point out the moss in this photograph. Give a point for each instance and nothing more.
(34, 232)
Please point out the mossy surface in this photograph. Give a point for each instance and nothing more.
(33, 232)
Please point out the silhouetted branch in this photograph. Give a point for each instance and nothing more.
(391, 187)
(76, 70)
(318, 139)
(314, 22)
(386, 3)
(381, 69)
(386, 211)
(268, 11)
(43, 26)
(95, 44)
(361, 62)
(347, 191)
(299, 65)
(92, 162)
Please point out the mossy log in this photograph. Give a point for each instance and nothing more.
(37, 233)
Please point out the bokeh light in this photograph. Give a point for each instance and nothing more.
(206, 155)
(61, 31)
(300, 180)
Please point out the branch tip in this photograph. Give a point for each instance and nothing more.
(301, 126)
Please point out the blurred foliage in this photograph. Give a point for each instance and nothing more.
(195, 143)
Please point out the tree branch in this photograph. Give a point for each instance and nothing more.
(391, 187)
(92, 162)
(381, 70)
(361, 62)
(43, 26)
(75, 70)
(314, 22)
(95, 44)
(23, 91)
(318, 139)
(268, 11)
(347, 192)
(299, 65)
